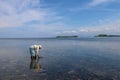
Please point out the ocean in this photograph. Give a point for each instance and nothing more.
(62, 59)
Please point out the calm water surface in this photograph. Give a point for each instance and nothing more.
(63, 59)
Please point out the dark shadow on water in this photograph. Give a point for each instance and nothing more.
(35, 64)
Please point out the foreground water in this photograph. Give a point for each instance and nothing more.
(63, 59)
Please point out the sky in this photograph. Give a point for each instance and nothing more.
(50, 18)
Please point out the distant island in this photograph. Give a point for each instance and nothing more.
(106, 35)
(67, 36)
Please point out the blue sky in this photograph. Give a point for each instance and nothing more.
(49, 18)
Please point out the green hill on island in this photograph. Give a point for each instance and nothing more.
(67, 36)
(106, 35)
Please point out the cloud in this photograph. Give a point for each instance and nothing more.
(94, 3)
(30, 18)
(95, 6)
(12, 15)
(20, 18)
(111, 28)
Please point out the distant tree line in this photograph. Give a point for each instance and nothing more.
(75, 36)
(105, 35)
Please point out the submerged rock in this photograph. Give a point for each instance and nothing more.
(71, 72)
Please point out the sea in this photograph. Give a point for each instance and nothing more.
(61, 59)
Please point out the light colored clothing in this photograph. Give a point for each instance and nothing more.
(34, 49)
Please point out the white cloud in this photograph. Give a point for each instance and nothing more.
(12, 15)
(21, 13)
(19, 17)
(98, 2)
(108, 28)
(93, 4)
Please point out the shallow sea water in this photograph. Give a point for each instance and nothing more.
(62, 59)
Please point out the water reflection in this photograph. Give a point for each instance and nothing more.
(87, 59)
(35, 65)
